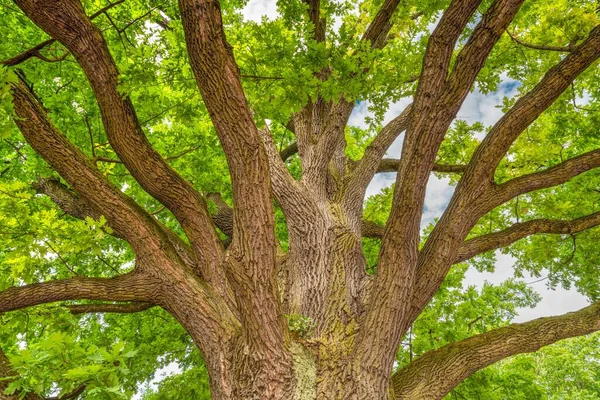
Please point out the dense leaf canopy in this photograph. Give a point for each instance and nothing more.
(55, 349)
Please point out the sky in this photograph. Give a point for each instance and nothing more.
(478, 107)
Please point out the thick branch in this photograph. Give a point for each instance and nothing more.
(126, 217)
(530, 106)
(66, 21)
(128, 308)
(392, 288)
(129, 287)
(291, 195)
(506, 237)
(254, 243)
(372, 158)
(437, 372)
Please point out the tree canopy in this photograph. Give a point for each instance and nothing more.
(61, 145)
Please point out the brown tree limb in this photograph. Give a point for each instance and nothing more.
(314, 15)
(291, 195)
(530, 106)
(26, 55)
(126, 217)
(254, 244)
(372, 229)
(128, 308)
(393, 285)
(76, 206)
(67, 22)
(552, 176)
(435, 373)
(372, 158)
(516, 232)
(128, 287)
(379, 28)
(289, 151)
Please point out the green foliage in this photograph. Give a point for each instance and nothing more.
(117, 355)
(299, 325)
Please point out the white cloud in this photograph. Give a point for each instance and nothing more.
(256, 9)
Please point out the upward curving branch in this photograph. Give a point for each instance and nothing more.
(552, 176)
(437, 372)
(253, 245)
(433, 109)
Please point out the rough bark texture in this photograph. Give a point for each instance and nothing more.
(233, 297)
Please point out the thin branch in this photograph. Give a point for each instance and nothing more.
(35, 51)
(550, 177)
(257, 77)
(391, 165)
(456, 361)
(567, 48)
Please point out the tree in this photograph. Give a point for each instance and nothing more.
(280, 292)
